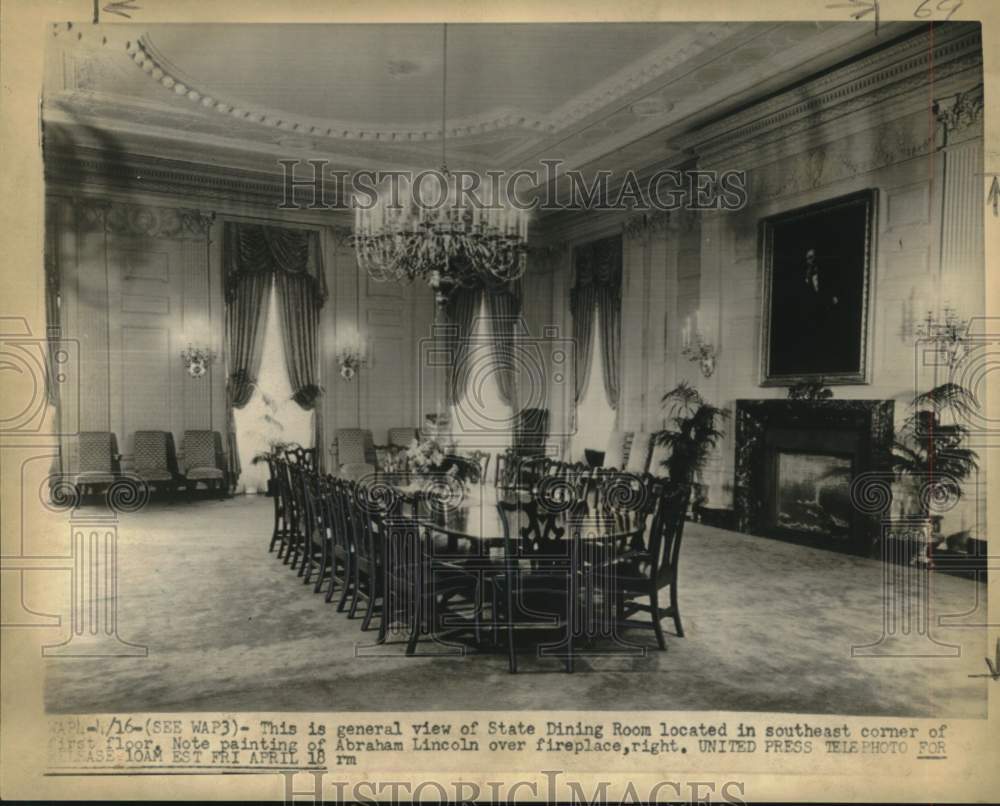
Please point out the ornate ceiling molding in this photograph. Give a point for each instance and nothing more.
(961, 110)
(627, 81)
(126, 218)
(159, 69)
(885, 76)
(83, 167)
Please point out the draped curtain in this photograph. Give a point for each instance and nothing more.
(244, 339)
(598, 267)
(462, 308)
(504, 310)
(503, 301)
(254, 256)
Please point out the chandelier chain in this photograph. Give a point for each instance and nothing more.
(440, 232)
(444, 100)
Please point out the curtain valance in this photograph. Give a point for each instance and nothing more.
(599, 264)
(259, 249)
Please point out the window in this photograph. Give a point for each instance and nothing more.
(595, 419)
(480, 418)
(271, 415)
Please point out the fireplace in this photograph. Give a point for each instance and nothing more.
(813, 494)
(795, 461)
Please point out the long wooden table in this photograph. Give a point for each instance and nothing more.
(472, 530)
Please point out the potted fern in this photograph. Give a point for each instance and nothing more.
(929, 455)
(693, 429)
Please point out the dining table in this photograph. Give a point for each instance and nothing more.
(462, 523)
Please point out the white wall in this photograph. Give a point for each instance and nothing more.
(868, 125)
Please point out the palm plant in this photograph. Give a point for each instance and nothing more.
(929, 449)
(695, 433)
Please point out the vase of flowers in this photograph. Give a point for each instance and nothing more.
(431, 456)
(393, 464)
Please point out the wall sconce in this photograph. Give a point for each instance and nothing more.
(696, 349)
(197, 360)
(351, 355)
(947, 333)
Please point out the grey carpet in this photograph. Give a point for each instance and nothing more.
(769, 627)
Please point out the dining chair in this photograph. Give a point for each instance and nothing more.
(642, 572)
(363, 564)
(323, 530)
(372, 506)
(314, 542)
(401, 437)
(99, 463)
(278, 532)
(424, 588)
(505, 468)
(333, 561)
(531, 431)
(342, 543)
(482, 461)
(468, 468)
(354, 446)
(154, 459)
(288, 508)
(203, 460)
(533, 469)
(637, 460)
(299, 463)
(617, 449)
(403, 594)
(537, 587)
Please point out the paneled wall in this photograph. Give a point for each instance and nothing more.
(137, 283)
(928, 254)
(141, 278)
(395, 388)
(917, 141)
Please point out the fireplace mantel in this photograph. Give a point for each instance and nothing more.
(869, 424)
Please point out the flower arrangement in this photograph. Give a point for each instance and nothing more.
(393, 461)
(431, 456)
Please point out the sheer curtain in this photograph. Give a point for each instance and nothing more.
(595, 416)
(481, 416)
(271, 414)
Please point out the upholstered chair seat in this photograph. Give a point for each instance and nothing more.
(153, 456)
(204, 459)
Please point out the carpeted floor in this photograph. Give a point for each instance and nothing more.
(769, 627)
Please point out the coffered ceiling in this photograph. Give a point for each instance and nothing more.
(369, 96)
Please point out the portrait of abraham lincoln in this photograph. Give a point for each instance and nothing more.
(816, 272)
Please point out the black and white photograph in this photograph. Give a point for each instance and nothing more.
(615, 389)
(817, 264)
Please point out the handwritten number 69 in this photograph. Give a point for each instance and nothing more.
(951, 6)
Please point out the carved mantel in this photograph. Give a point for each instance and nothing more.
(870, 421)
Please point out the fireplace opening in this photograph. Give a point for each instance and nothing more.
(812, 494)
(795, 464)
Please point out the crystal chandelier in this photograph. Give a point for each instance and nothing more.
(438, 234)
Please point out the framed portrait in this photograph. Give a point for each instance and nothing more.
(817, 266)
